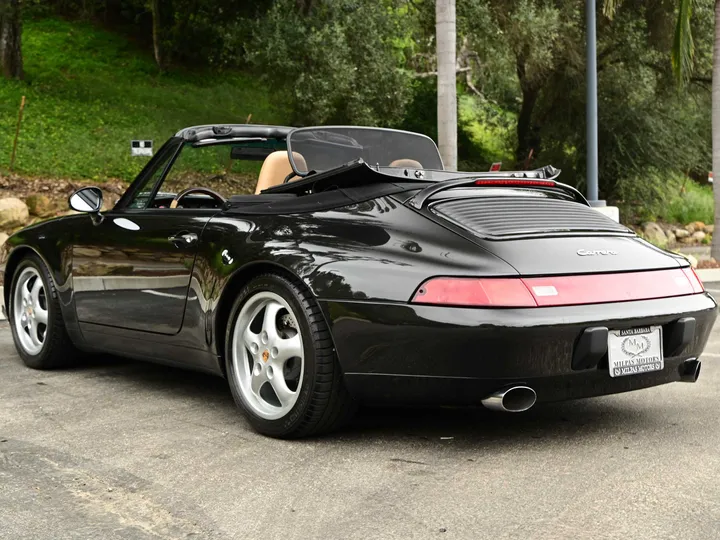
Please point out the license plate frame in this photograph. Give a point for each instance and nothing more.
(634, 351)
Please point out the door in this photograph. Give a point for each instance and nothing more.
(133, 269)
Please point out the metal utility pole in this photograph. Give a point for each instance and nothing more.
(446, 82)
(592, 107)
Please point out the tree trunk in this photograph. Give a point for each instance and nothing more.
(527, 139)
(446, 82)
(11, 61)
(716, 132)
(526, 132)
(157, 34)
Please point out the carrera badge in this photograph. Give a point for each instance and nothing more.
(589, 253)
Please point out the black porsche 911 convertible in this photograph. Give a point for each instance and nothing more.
(359, 272)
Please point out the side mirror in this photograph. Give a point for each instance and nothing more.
(89, 200)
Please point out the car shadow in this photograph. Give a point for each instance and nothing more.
(597, 417)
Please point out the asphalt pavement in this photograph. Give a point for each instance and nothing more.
(117, 449)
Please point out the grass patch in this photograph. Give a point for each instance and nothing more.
(89, 92)
(672, 199)
(695, 203)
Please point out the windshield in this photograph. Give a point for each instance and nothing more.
(323, 148)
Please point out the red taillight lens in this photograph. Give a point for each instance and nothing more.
(515, 183)
(489, 292)
(558, 290)
(694, 280)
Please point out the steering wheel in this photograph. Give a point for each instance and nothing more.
(205, 191)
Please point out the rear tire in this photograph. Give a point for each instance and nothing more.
(281, 363)
(35, 318)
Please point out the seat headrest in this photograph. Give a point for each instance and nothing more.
(276, 168)
(404, 162)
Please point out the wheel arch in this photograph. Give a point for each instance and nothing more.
(234, 285)
(13, 260)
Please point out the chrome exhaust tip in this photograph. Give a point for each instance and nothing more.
(512, 399)
(690, 371)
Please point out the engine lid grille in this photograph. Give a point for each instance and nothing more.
(513, 217)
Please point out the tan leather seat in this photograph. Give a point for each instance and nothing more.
(275, 169)
(406, 163)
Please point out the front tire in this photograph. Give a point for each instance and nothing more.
(35, 318)
(281, 364)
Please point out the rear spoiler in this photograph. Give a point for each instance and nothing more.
(539, 178)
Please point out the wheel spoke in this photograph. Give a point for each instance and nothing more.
(26, 291)
(269, 326)
(283, 393)
(33, 332)
(35, 292)
(256, 382)
(41, 315)
(288, 348)
(250, 338)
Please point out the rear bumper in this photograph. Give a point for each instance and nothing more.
(399, 353)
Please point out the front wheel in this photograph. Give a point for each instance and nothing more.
(281, 363)
(35, 319)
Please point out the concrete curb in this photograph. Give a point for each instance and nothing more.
(708, 275)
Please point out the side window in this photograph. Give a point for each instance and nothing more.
(143, 196)
(229, 168)
(221, 167)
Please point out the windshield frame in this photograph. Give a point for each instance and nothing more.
(303, 174)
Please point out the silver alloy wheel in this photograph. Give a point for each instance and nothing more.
(267, 355)
(30, 311)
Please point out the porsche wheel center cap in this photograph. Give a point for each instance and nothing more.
(265, 355)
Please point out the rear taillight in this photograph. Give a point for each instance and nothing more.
(693, 279)
(558, 290)
(491, 292)
(515, 183)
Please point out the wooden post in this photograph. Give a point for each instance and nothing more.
(17, 133)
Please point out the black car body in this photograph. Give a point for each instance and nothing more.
(435, 286)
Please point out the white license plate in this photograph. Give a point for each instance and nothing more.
(635, 350)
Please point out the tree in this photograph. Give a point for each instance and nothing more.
(716, 129)
(11, 61)
(446, 82)
(682, 56)
(339, 62)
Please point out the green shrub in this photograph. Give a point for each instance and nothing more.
(669, 199)
(694, 204)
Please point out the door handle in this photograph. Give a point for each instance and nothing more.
(184, 240)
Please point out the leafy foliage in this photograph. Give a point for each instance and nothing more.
(673, 199)
(521, 80)
(337, 63)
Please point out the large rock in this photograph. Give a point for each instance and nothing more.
(40, 205)
(695, 226)
(13, 213)
(709, 229)
(654, 234)
(3, 238)
(698, 236)
(670, 237)
(681, 233)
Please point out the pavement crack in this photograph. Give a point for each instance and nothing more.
(402, 460)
